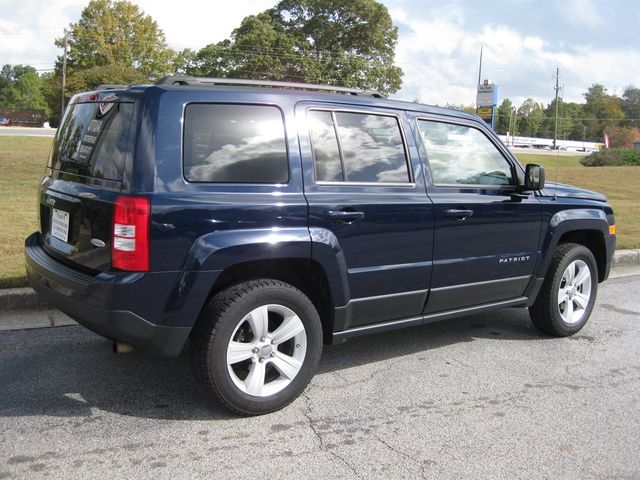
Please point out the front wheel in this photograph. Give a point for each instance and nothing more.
(257, 345)
(568, 293)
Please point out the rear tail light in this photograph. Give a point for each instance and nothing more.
(130, 246)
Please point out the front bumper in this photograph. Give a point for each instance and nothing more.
(610, 246)
(111, 304)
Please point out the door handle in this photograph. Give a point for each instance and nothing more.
(344, 215)
(458, 214)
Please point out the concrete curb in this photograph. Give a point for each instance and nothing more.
(20, 299)
(25, 299)
(626, 257)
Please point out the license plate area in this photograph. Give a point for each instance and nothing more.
(60, 224)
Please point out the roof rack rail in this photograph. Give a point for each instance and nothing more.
(203, 81)
(110, 87)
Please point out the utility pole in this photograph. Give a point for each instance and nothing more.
(480, 66)
(515, 120)
(64, 72)
(555, 128)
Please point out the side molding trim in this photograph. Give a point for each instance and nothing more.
(338, 337)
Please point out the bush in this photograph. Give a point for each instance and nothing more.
(613, 157)
(54, 120)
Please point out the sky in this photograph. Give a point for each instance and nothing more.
(591, 41)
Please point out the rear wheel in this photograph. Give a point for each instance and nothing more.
(257, 345)
(568, 293)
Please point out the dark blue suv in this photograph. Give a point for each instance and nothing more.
(260, 219)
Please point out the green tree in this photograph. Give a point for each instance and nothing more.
(570, 123)
(630, 103)
(601, 111)
(116, 32)
(503, 116)
(343, 42)
(183, 61)
(22, 87)
(530, 113)
(113, 42)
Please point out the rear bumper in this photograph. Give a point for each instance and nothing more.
(111, 304)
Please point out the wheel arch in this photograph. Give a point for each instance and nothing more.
(594, 241)
(305, 274)
(588, 227)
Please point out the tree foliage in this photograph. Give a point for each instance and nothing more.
(531, 113)
(630, 103)
(113, 42)
(601, 113)
(22, 87)
(116, 33)
(342, 42)
(601, 109)
(503, 117)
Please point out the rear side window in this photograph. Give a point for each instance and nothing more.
(459, 154)
(328, 164)
(358, 148)
(94, 140)
(234, 144)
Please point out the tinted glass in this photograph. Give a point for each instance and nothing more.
(234, 144)
(326, 153)
(462, 155)
(372, 148)
(94, 140)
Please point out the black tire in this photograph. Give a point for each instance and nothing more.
(218, 322)
(545, 312)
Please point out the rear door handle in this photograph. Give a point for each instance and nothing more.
(458, 214)
(344, 215)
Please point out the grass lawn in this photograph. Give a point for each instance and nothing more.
(22, 163)
(620, 184)
(23, 159)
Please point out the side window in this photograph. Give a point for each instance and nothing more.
(462, 155)
(358, 148)
(234, 144)
(327, 163)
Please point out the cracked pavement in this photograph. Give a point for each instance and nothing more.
(485, 396)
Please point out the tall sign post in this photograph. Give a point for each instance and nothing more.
(486, 101)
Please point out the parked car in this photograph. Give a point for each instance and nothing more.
(258, 220)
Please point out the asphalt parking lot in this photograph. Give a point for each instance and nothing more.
(479, 397)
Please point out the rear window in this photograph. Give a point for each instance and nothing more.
(234, 144)
(94, 140)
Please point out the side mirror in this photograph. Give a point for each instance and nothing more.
(534, 177)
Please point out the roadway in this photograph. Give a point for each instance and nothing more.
(26, 132)
(486, 396)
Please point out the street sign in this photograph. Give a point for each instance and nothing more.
(487, 94)
(485, 112)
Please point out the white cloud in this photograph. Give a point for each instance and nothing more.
(28, 28)
(194, 24)
(438, 46)
(440, 61)
(580, 12)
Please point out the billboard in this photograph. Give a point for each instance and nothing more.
(22, 117)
